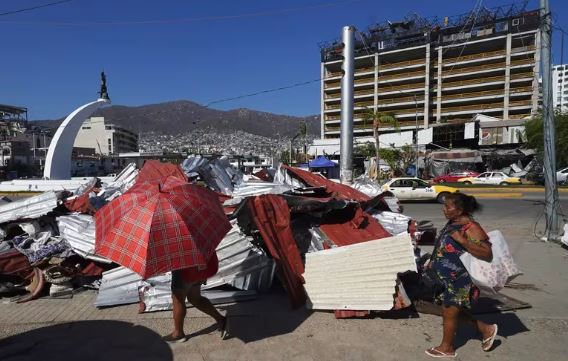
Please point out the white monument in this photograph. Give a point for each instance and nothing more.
(58, 159)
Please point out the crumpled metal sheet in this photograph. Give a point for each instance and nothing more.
(157, 296)
(32, 207)
(79, 231)
(252, 188)
(120, 184)
(242, 264)
(366, 185)
(361, 276)
(314, 180)
(119, 286)
(394, 223)
(217, 173)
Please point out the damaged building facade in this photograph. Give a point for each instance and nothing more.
(435, 76)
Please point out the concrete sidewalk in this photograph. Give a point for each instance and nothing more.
(267, 329)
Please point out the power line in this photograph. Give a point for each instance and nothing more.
(190, 20)
(35, 7)
(263, 92)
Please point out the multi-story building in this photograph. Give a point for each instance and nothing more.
(560, 87)
(105, 138)
(440, 75)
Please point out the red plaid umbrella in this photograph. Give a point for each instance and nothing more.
(155, 228)
(155, 171)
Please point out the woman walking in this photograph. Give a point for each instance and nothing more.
(186, 283)
(461, 234)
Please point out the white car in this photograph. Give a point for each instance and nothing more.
(561, 175)
(417, 190)
(493, 178)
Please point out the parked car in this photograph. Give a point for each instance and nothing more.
(562, 175)
(454, 176)
(416, 189)
(494, 178)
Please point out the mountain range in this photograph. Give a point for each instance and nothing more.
(176, 117)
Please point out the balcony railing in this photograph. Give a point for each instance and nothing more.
(484, 55)
(472, 107)
(494, 66)
(451, 84)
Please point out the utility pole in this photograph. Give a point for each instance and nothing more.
(416, 120)
(551, 188)
(347, 100)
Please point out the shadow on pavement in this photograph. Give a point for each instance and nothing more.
(509, 325)
(86, 340)
(270, 315)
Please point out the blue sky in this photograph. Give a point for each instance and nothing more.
(156, 51)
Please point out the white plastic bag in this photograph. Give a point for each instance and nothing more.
(492, 276)
(564, 238)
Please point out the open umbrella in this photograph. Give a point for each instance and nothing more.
(156, 171)
(159, 227)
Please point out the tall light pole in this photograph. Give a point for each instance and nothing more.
(347, 100)
(550, 185)
(416, 142)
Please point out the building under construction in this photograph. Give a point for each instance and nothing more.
(440, 73)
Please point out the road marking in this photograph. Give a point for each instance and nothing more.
(496, 195)
(508, 189)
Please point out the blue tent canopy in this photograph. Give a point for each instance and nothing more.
(322, 162)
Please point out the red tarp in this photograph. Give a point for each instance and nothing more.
(13, 263)
(81, 203)
(337, 190)
(361, 228)
(271, 215)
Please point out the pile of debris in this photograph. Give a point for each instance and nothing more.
(332, 246)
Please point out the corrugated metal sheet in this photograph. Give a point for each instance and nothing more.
(119, 286)
(358, 277)
(79, 231)
(156, 296)
(120, 184)
(242, 264)
(251, 188)
(394, 223)
(32, 207)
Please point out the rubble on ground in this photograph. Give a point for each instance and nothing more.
(282, 221)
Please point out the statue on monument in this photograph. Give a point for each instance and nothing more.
(103, 93)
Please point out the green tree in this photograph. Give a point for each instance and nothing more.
(285, 156)
(303, 131)
(534, 137)
(365, 150)
(378, 118)
(392, 158)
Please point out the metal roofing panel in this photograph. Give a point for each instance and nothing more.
(119, 286)
(32, 207)
(358, 277)
(79, 231)
(241, 263)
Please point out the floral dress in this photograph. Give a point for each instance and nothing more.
(460, 290)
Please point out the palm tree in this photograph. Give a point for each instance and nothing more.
(379, 118)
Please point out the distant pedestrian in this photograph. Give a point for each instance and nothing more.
(186, 283)
(461, 234)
